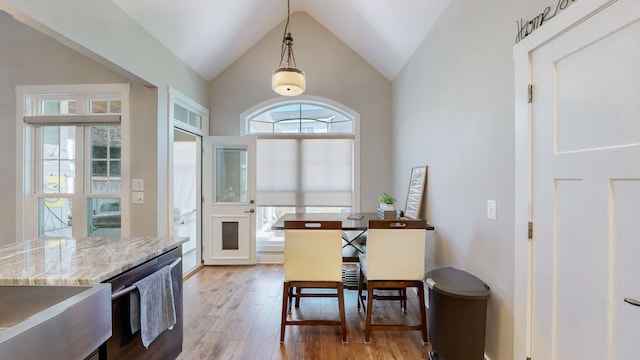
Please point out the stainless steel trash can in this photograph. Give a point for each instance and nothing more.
(457, 314)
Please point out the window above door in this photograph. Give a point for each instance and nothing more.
(301, 118)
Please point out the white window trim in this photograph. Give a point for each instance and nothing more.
(310, 99)
(176, 97)
(25, 225)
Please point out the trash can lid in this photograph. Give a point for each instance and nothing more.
(457, 283)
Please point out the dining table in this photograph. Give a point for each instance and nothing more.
(354, 229)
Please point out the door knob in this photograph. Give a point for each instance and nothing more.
(633, 302)
(250, 211)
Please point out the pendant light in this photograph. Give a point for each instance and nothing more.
(287, 80)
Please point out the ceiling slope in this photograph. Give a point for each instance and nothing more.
(209, 35)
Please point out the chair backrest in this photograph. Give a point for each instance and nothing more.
(396, 249)
(312, 250)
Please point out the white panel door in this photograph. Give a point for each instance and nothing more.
(586, 189)
(229, 189)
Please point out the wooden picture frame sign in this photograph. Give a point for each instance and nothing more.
(417, 183)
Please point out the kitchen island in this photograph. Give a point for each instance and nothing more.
(93, 261)
(78, 261)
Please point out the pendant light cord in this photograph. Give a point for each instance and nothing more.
(286, 26)
(286, 54)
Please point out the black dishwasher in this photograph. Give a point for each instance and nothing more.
(125, 345)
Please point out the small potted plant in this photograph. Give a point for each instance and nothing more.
(387, 202)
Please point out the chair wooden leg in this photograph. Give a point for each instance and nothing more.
(403, 301)
(289, 298)
(401, 287)
(285, 307)
(343, 321)
(360, 286)
(298, 291)
(369, 311)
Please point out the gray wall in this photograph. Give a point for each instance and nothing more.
(116, 41)
(31, 58)
(110, 48)
(454, 108)
(451, 108)
(333, 71)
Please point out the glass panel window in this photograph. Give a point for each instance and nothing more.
(99, 107)
(195, 119)
(187, 116)
(58, 163)
(105, 159)
(265, 217)
(115, 107)
(58, 107)
(301, 118)
(105, 106)
(104, 215)
(300, 169)
(180, 113)
(54, 217)
(79, 164)
(231, 183)
(268, 215)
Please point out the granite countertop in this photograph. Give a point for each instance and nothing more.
(78, 261)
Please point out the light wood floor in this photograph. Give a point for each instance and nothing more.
(233, 312)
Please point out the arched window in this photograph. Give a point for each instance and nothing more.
(300, 118)
(306, 160)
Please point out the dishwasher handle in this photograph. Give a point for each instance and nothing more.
(129, 289)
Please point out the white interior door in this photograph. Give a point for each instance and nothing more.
(586, 189)
(229, 190)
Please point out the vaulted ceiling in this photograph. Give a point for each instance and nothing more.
(209, 35)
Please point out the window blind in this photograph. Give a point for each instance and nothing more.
(66, 119)
(305, 172)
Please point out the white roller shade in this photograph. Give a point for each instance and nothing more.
(68, 119)
(305, 172)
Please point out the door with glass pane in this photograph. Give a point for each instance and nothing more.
(229, 189)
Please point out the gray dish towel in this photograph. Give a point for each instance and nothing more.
(153, 311)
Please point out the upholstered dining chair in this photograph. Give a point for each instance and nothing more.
(312, 260)
(394, 261)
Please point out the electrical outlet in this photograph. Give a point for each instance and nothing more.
(492, 210)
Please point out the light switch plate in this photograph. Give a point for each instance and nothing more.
(137, 184)
(137, 197)
(492, 210)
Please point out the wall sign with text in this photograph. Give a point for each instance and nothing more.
(525, 28)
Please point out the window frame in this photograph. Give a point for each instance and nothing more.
(268, 246)
(27, 147)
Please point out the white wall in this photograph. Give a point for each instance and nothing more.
(454, 111)
(333, 71)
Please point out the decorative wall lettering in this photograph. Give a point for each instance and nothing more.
(525, 28)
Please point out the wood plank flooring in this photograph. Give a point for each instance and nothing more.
(233, 312)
